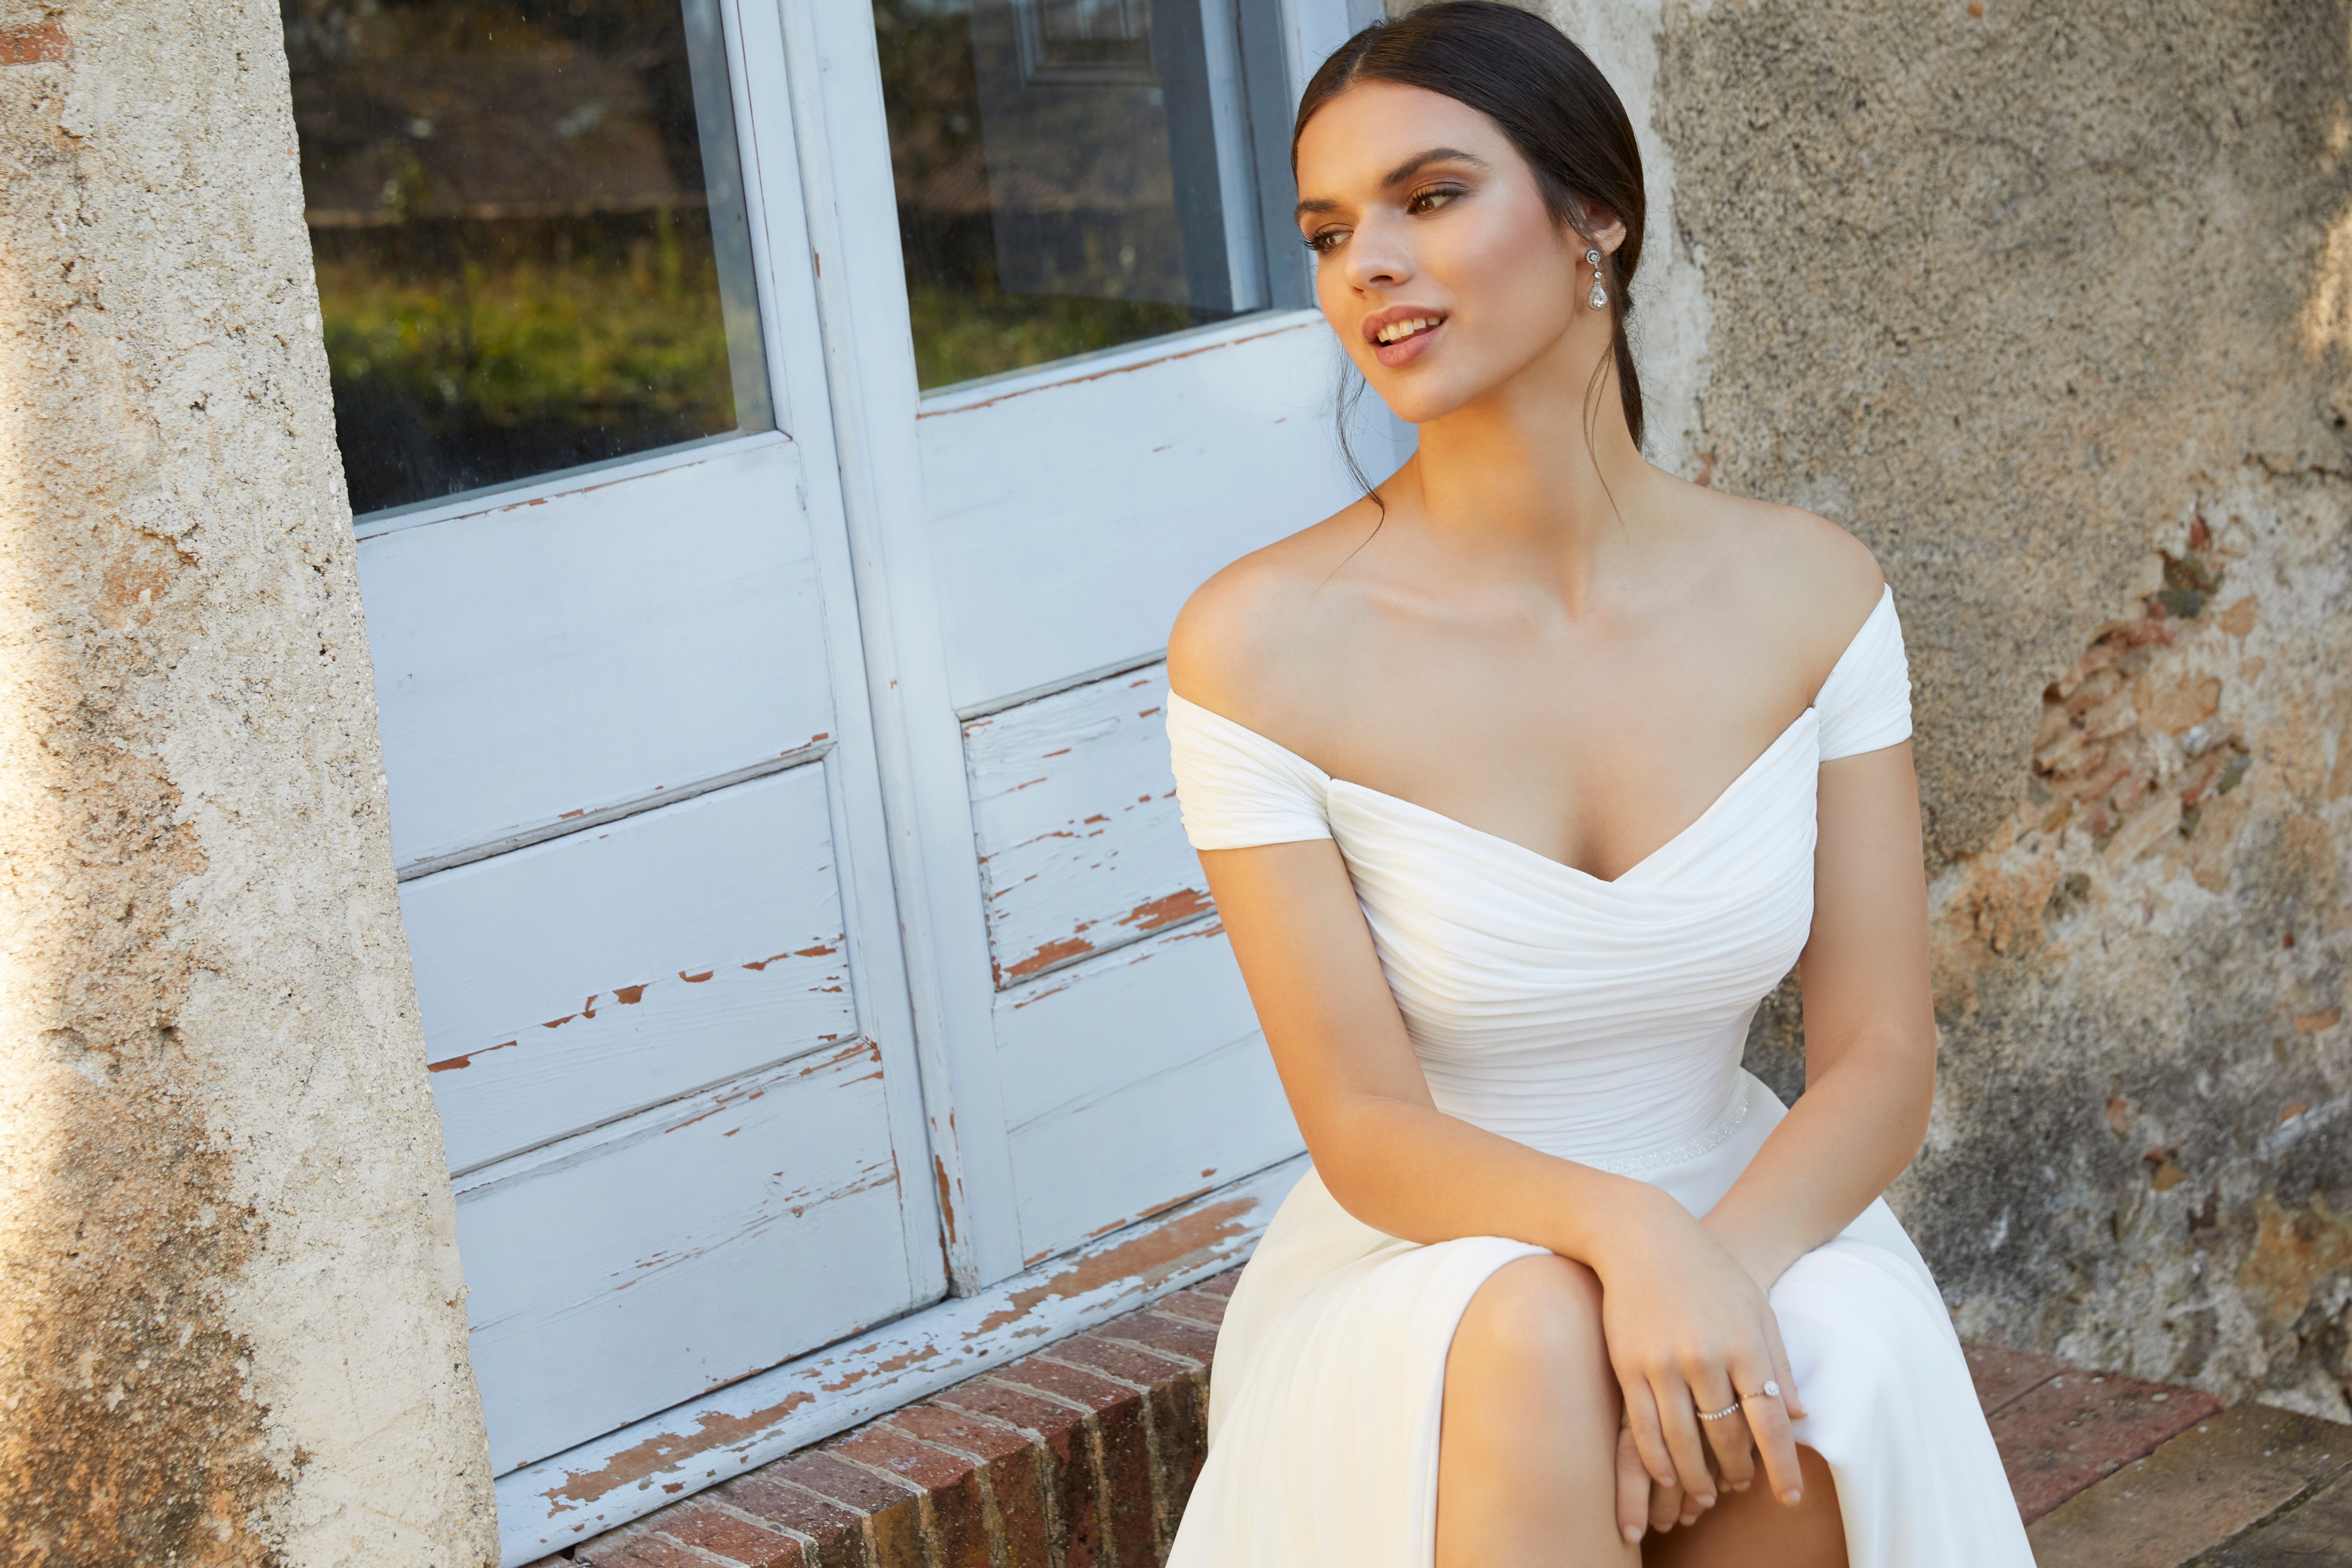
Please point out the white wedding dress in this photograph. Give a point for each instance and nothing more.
(1601, 1022)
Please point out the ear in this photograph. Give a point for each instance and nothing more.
(1603, 230)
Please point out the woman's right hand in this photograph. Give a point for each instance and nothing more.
(1690, 1330)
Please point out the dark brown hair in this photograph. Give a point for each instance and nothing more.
(1542, 92)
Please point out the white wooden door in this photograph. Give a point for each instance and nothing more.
(1027, 537)
(634, 796)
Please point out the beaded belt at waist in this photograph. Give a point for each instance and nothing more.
(1691, 1148)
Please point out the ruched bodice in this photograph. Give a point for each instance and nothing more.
(1602, 1020)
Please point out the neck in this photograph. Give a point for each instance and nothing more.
(1544, 469)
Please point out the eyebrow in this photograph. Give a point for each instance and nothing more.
(1398, 176)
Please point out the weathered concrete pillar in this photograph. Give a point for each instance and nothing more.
(232, 1324)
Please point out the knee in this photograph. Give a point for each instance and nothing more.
(1545, 1308)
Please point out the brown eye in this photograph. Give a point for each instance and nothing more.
(1433, 198)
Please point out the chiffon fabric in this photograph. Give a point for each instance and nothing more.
(1602, 1022)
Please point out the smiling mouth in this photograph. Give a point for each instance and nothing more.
(1398, 331)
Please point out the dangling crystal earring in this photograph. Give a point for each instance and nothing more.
(1599, 298)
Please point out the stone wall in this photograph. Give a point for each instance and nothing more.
(2052, 306)
(231, 1323)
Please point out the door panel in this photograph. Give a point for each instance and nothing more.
(1072, 521)
(1074, 809)
(1134, 1081)
(583, 979)
(680, 1250)
(595, 646)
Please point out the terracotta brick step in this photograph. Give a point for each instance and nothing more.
(2061, 1429)
(1081, 1456)
(2249, 1486)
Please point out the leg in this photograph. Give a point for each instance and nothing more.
(1754, 1529)
(1527, 1442)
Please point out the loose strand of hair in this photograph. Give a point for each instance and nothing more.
(1592, 433)
(1350, 397)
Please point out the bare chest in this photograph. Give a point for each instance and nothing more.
(1593, 754)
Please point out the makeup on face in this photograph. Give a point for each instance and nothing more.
(1401, 334)
(1420, 210)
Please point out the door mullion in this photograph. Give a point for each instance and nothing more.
(869, 902)
(850, 203)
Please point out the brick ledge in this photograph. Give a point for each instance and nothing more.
(1081, 1455)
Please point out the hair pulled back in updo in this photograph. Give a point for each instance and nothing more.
(1545, 94)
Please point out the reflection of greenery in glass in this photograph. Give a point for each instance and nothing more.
(511, 341)
(1095, 198)
(511, 214)
(962, 336)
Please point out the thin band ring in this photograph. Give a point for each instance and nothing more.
(1730, 1409)
(1771, 1390)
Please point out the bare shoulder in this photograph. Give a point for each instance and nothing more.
(1248, 631)
(1807, 581)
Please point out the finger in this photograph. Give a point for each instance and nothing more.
(1787, 1379)
(1727, 1437)
(1665, 1506)
(1649, 1441)
(1666, 1493)
(1694, 1507)
(1767, 1420)
(1678, 1421)
(1633, 1488)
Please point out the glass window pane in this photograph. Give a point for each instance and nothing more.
(1071, 174)
(531, 243)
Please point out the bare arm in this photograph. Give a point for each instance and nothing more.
(1870, 1027)
(1380, 1144)
(1687, 1326)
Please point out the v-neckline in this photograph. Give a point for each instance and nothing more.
(1811, 708)
(1688, 829)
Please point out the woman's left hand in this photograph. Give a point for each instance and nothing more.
(1642, 1505)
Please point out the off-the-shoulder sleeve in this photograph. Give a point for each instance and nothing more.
(1236, 788)
(1866, 701)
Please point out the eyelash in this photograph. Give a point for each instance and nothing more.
(1320, 243)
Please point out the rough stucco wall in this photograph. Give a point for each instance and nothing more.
(2052, 306)
(232, 1327)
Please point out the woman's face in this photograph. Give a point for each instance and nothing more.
(1436, 260)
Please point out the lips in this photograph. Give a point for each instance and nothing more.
(1399, 334)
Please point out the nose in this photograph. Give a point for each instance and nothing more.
(1378, 255)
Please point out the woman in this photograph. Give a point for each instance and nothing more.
(1519, 785)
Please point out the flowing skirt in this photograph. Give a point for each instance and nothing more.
(1330, 1373)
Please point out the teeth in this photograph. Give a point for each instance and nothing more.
(1395, 330)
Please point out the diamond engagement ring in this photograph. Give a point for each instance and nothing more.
(1771, 1390)
(1732, 1409)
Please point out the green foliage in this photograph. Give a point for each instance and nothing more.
(633, 339)
(960, 336)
